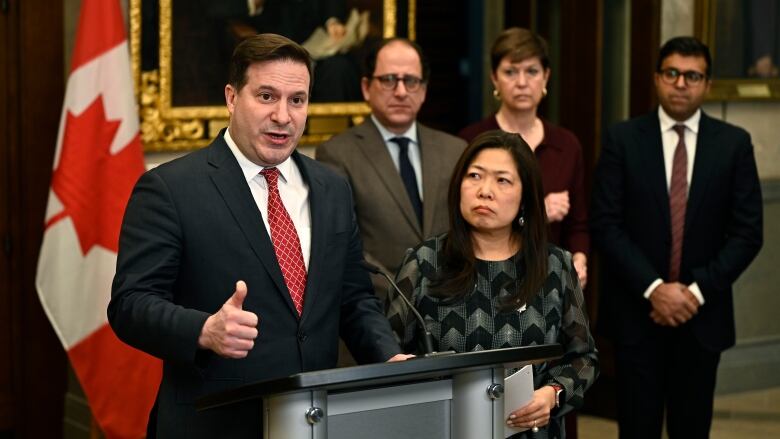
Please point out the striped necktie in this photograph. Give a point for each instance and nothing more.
(678, 198)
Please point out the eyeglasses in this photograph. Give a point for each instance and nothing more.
(390, 82)
(692, 77)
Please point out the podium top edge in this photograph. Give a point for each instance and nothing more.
(378, 374)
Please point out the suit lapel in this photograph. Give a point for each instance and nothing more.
(431, 170)
(372, 146)
(318, 205)
(232, 186)
(703, 162)
(652, 159)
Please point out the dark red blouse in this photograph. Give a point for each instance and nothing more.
(560, 158)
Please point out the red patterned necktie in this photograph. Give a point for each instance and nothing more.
(678, 198)
(287, 244)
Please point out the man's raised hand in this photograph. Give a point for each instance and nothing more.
(231, 331)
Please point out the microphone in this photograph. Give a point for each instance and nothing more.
(427, 336)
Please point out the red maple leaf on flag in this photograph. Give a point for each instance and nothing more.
(99, 160)
(93, 184)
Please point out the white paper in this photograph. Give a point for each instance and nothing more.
(518, 391)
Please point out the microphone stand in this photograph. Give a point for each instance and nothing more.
(427, 336)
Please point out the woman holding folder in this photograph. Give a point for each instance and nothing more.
(493, 281)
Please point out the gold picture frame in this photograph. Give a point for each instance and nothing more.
(166, 127)
(725, 27)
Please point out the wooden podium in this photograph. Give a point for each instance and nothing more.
(453, 396)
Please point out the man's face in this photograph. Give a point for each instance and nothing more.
(679, 97)
(268, 114)
(396, 109)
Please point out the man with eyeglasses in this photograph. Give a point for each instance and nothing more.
(677, 217)
(399, 169)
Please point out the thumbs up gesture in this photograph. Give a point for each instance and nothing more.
(231, 331)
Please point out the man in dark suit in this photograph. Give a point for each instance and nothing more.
(400, 190)
(677, 216)
(241, 261)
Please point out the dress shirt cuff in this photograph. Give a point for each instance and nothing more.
(696, 291)
(652, 287)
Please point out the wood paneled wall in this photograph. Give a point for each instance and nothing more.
(32, 361)
(441, 32)
(645, 42)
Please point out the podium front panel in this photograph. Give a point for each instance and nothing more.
(429, 420)
(409, 411)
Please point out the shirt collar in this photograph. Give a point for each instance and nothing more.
(386, 134)
(251, 169)
(667, 123)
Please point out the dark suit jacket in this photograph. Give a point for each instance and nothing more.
(191, 230)
(388, 224)
(632, 229)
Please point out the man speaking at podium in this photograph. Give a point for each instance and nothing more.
(241, 261)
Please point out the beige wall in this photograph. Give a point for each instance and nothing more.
(761, 120)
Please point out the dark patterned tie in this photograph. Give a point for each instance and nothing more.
(407, 175)
(287, 244)
(678, 198)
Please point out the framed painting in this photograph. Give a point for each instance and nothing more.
(744, 37)
(180, 50)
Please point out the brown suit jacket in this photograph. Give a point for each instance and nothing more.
(388, 224)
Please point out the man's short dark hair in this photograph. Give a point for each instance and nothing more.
(263, 48)
(369, 65)
(685, 46)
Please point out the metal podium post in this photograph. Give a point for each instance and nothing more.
(296, 415)
(478, 404)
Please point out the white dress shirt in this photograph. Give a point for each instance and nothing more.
(669, 139)
(415, 157)
(293, 191)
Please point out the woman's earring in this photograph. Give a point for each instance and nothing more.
(521, 219)
(544, 91)
(496, 94)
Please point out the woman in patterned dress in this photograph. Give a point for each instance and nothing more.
(493, 281)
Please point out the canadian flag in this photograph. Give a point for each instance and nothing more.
(97, 162)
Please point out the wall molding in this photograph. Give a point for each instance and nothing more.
(770, 190)
(750, 365)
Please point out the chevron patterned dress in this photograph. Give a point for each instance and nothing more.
(556, 314)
